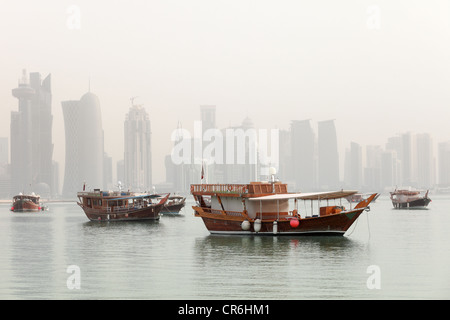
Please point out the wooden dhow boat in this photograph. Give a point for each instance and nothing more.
(406, 199)
(260, 208)
(27, 203)
(173, 205)
(120, 206)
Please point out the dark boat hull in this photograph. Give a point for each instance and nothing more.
(172, 209)
(330, 225)
(419, 203)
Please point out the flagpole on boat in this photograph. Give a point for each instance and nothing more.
(202, 173)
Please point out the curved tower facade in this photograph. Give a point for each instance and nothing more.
(84, 145)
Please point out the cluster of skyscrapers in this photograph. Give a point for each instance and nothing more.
(32, 168)
(306, 159)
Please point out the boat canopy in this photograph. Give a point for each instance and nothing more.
(327, 195)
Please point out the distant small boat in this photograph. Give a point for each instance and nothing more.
(120, 206)
(405, 199)
(173, 205)
(27, 203)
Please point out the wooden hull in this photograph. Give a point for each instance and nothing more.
(174, 208)
(25, 206)
(148, 213)
(330, 225)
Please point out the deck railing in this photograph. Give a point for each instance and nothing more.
(120, 209)
(240, 188)
(220, 188)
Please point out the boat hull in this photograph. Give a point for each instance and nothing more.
(149, 213)
(25, 206)
(419, 203)
(330, 225)
(172, 209)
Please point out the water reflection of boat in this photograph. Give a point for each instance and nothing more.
(405, 199)
(260, 208)
(120, 206)
(27, 203)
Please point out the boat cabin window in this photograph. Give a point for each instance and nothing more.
(89, 202)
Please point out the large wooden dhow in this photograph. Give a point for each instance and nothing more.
(262, 208)
(120, 206)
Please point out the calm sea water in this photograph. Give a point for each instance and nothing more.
(405, 252)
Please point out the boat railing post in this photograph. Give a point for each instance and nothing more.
(260, 209)
(278, 209)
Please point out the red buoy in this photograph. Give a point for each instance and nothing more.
(294, 223)
(12, 208)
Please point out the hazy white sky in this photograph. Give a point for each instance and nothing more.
(377, 67)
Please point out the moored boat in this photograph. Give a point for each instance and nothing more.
(120, 206)
(405, 199)
(260, 208)
(27, 203)
(173, 205)
(358, 197)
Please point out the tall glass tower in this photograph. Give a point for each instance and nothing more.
(137, 150)
(328, 157)
(84, 145)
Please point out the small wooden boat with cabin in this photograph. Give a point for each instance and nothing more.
(120, 206)
(263, 208)
(406, 199)
(27, 203)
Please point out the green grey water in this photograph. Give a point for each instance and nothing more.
(176, 258)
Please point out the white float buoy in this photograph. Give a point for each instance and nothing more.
(257, 225)
(245, 225)
(275, 227)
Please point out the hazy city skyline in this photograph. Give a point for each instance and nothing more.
(378, 73)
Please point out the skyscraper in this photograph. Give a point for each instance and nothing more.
(84, 144)
(390, 169)
(424, 161)
(303, 155)
(353, 166)
(208, 117)
(328, 157)
(137, 150)
(31, 135)
(444, 164)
